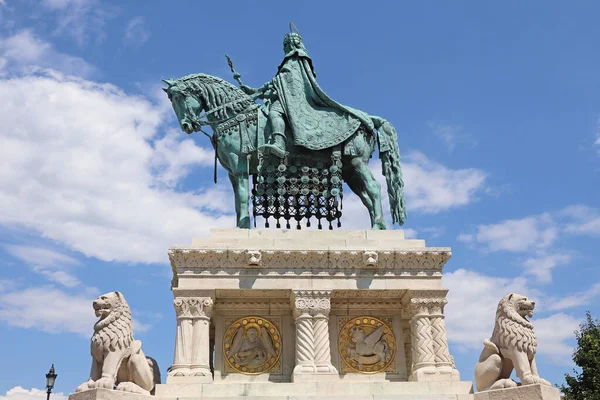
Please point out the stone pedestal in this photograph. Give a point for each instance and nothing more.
(529, 392)
(290, 307)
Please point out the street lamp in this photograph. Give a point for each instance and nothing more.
(50, 378)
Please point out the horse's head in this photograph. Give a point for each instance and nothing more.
(186, 104)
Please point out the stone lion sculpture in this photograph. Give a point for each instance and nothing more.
(117, 359)
(512, 346)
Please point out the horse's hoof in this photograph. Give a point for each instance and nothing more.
(379, 227)
(244, 223)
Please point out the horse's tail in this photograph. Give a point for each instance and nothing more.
(389, 153)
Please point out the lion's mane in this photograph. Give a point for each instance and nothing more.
(512, 330)
(115, 332)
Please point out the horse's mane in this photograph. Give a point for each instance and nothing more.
(215, 92)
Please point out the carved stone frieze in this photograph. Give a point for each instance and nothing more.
(411, 262)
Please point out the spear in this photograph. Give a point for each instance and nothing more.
(236, 76)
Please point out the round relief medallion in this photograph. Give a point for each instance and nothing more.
(367, 345)
(252, 345)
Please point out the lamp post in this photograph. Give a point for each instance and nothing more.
(50, 378)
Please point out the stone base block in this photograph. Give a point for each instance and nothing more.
(319, 390)
(432, 374)
(529, 392)
(295, 391)
(106, 394)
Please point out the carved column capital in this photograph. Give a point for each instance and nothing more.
(193, 307)
(422, 303)
(311, 302)
(436, 307)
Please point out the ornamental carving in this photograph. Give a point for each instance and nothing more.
(254, 257)
(313, 302)
(252, 345)
(370, 258)
(428, 261)
(367, 345)
(193, 307)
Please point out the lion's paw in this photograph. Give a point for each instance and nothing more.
(503, 384)
(103, 383)
(531, 380)
(132, 388)
(84, 386)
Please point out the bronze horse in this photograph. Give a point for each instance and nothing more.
(234, 119)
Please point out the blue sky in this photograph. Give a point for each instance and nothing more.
(497, 107)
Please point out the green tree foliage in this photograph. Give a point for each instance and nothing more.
(585, 384)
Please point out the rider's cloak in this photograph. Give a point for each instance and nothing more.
(315, 119)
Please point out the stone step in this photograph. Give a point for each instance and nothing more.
(346, 397)
(359, 390)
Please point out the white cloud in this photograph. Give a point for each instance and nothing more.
(541, 266)
(451, 135)
(6, 285)
(433, 231)
(470, 314)
(553, 333)
(535, 235)
(48, 263)
(79, 170)
(58, 276)
(174, 156)
(136, 32)
(80, 19)
(582, 220)
(472, 302)
(517, 235)
(19, 393)
(39, 255)
(410, 233)
(432, 187)
(597, 142)
(44, 308)
(24, 52)
(575, 300)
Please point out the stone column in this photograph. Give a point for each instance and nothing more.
(313, 350)
(192, 353)
(423, 356)
(443, 360)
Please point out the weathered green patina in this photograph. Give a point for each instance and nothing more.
(294, 143)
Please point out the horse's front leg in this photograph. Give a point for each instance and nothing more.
(241, 193)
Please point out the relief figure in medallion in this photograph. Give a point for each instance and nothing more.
(368, 349)
(252, 346)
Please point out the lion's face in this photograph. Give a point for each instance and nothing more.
(357, 334)
(105, 304)
(522, 305)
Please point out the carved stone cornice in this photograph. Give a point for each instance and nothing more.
(366, 304)
(186, 260)
(311, 302)
(193, 307)
(252, 304)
